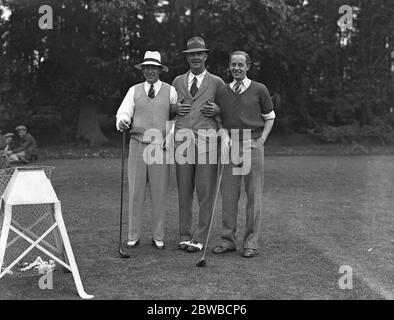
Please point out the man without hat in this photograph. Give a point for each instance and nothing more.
(146, 106)
(196, 110)
(244, 104)
(4, 141)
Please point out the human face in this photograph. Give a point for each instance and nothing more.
(151, 73)
(238, 67)
(21, 133)
(196, 61)
(8, 140)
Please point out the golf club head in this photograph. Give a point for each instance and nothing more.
(123, 255)
(201, 263)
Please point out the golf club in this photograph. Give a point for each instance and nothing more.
(121, 253)
(202, 262)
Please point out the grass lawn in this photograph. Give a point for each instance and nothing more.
(321, 212)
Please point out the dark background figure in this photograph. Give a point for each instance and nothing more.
(2, 141)
(26, 148)
(6, 146)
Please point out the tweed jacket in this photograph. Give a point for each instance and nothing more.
(196, 120)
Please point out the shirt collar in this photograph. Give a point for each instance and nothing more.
(156, 85)
(200, 77)
(245, 82)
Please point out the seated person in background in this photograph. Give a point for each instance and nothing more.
(2, 141)
(3, 159)
(26, 149)
(6, 147)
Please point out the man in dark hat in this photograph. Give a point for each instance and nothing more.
(146, 107)
(196, 113)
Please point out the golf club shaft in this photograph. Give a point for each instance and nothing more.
(214, 209)
(121, 190)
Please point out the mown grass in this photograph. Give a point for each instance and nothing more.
(320, 213)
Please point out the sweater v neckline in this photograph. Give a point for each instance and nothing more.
(156, 94)
(239, 94)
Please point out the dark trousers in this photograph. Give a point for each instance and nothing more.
(203, 178)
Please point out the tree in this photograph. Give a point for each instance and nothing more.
(75, 65)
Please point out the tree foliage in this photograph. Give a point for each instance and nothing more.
(323, 75)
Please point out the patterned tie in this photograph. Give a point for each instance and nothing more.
(237, 87)
(151, 93)
(193, 88)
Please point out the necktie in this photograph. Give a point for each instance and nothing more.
(151, 93)
(237, 87)
(193, 88)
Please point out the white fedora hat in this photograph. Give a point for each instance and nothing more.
(152, 58)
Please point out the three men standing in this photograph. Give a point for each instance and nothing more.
(243, 105)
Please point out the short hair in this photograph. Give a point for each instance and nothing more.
(243, 53)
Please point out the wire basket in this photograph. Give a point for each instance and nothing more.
(32, 220)
(6, 174)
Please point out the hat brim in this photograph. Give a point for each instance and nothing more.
(151, 63)
(195, 50)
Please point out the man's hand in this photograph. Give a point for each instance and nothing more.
(182, 108)
(225, 143)
(166, 141)
(210, 110)
(262, 139)
(124, 125)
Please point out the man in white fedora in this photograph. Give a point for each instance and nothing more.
(146, 106)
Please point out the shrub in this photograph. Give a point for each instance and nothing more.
(378, 133)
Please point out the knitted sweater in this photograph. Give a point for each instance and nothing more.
(245, 110)
(150, 113)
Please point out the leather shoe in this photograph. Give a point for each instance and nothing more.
(249, 253)
(159, 245)
(132, 243)
(183, 245)
(195, 246)
(222, 249)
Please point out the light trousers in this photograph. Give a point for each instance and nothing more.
(231, 190)
(141, 176)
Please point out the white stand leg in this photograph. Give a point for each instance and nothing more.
(5, 229)
(69, 252)
(59, 243)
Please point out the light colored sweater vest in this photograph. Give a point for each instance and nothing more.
(150, 113)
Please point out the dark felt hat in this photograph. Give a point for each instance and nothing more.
(195, 44)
